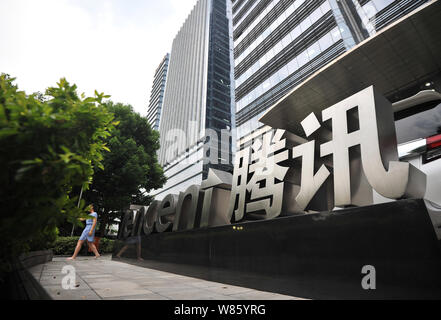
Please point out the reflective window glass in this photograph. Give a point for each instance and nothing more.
(283, 73)
(325, 7)
(275, 79)
(335, 34)
(419, 122)
(295, 32)
(292, 66)
(325, 41)
(266, 32)
(305, 24)
(345, 33)
(286, 40)
(289, 10)
(370, 10)
(266, 85)
(298, 3)
(315, 15)
(381, 4)
(302, 58)
(278, 47)
(254, 68)
(313, 50)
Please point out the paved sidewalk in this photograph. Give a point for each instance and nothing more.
(108, 279)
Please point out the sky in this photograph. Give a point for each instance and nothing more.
(112, 46)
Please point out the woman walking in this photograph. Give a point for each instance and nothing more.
(88, 234)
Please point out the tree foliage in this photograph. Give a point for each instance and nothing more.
(131, 168)
(49, 148)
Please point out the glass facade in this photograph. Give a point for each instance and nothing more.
(198, 99)
(280, 43)
(291, 66)
(157, 94)
(218, 107)
(376, 14)
(278, 47)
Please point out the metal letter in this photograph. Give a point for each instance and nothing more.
(126, 224)
(378, 146)
(215, 210)
(137, 223)
(239, 186)
(189, 208)
(166, 212)
(266, 170)
(150, 217)
(310, 182)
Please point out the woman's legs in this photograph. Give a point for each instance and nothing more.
(138, 251)
(77, 250)
(118, 255)
(93, 248)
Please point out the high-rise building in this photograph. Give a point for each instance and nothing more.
(197, 109)
(376, 14)
(280, 43)
(157, 94)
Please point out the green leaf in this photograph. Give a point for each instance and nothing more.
(89, 100)
(7, 132)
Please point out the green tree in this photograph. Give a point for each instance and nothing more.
(49, 149)
(131, 168)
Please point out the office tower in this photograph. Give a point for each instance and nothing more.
(157, 94)
(374, 15)
(197, 109)
(280, 43)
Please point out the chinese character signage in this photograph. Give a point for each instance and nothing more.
(347, 156)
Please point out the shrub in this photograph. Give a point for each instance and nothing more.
(106, 245)
(66, 245)
(49, 149)
(44, 240)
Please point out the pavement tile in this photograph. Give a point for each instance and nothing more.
(115, 284)
(114, 280)
(260, 295)
(119, 292)
(57, 293)
(93, 280)
(189, 294)
(165, 288)
(228, 290)
(46, 275)
(56, 269)
(206, 284)
(97, 276)
(51, 281)
(149, 296)
(36, 269)
(118, 288)
(133, 276)
(221, 297)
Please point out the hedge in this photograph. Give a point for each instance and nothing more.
(66, 246)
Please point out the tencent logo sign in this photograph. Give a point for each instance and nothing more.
(342, 160)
